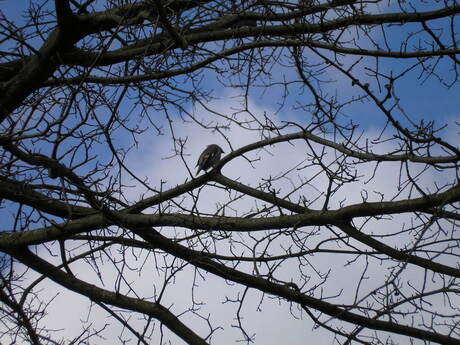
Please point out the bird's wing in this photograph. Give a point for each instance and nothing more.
(203, 158)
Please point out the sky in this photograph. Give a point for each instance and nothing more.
(259, 320)
(268, 318)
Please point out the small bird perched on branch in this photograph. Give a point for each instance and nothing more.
(209, 157)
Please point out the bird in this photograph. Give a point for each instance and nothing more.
(209, 157)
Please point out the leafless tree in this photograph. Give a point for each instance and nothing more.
(353, 226)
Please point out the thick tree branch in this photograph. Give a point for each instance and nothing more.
(23, 318)
(95, 293)
(284, 291)
(22, 193)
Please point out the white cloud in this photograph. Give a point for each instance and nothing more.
(271, 320)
